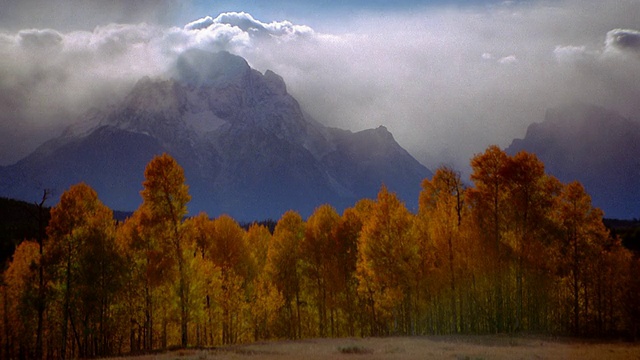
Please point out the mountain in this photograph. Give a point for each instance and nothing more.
(245, 144)
(598, 147)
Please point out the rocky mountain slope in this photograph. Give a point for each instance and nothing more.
(595, 146)
(246, 146)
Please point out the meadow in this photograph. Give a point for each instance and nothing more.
(460, 347)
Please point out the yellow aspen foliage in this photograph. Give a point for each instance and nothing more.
(583, 239)
(228, 249)
(317, 251)
(388, 258)
(343, 276)
(258, 240)
(230, 254)
(87, 267)
(264, 308)
(265, 299)
(18, 294)
(284, 269)
(440, 222)
(201, 232)
(165, 192)
(513, 251)
(165, 197)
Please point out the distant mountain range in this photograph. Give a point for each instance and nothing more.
(598, 147)
(247, 148)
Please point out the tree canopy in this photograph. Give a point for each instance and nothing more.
(513, 250)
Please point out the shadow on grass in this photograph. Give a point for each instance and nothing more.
(354, 349)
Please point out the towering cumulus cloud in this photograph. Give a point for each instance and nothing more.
(246, 23)
(624, 39)
(446, 81)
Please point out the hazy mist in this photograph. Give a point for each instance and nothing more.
(447, 81)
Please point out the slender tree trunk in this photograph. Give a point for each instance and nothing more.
(184, 316)
(322, 317)
(41, 304)
(148, 328)
(520, 271)
(7, 336)
(41, 291)
(585, 285)
(165, 324)
(576, 289)
(182, 286)
(453, 287)
(66, 304)
(463, 325)
(499, 308)
(333, 329)
(299, 321)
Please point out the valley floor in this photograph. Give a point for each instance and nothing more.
(427, 347)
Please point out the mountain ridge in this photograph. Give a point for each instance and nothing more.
(593, 145)
(247, 147)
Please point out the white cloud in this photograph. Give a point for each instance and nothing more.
(245, 23)
(200, 24)
(623, 40)
(39, 39)
(570, 53)
(436, 78)
(48, 78)
(511, 59)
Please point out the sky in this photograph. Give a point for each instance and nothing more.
(447, 78)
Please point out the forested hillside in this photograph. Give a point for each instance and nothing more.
(20, 220)
(515, 251)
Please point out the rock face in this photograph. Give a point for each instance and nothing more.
(597, 147)
(246, 147)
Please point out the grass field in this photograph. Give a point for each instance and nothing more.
(428, 347)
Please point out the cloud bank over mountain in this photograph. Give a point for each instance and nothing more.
(447, 81)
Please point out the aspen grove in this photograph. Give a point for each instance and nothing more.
(514, 250)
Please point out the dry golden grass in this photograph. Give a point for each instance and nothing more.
(428, 347)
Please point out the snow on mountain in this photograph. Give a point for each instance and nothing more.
(245, 144)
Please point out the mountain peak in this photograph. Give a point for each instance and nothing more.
(275, 83)
(593, 145)
(156, 94)
(246, 147)
(218, 69)
(383, 131)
